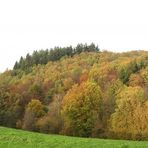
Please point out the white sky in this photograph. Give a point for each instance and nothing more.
(27, 25)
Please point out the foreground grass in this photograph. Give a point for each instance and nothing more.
(12, 138)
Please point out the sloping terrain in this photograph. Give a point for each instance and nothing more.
(12, 138)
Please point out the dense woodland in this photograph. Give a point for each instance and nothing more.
(78, 91)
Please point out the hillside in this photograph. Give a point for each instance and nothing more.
(86, 94)
(16, 138)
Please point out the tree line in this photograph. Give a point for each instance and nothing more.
(44, 56)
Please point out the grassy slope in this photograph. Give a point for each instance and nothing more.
(12, 138)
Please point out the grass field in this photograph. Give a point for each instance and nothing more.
(12, 138)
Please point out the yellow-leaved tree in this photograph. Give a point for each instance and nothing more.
(130, 117)
(81, 109)
(34, 110)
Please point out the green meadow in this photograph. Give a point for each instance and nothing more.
(12, 138)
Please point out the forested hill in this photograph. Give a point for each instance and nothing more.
(87, 93)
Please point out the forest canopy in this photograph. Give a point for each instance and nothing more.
(78, 91)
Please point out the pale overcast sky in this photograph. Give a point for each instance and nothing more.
(27, 25)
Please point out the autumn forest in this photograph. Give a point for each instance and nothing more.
(78, 91)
